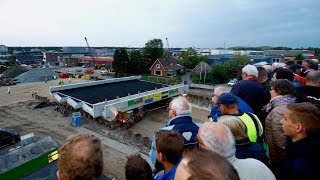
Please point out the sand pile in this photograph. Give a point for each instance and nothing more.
(37, 75)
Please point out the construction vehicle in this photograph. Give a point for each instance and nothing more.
(128, 118)
(99, 66)
(89, 70)
(63, 75)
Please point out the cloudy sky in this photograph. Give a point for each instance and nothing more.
(186, 23)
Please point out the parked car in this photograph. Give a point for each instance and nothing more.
(232, 82)
(8, 137)
(104, 72)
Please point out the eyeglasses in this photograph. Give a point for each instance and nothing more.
(168, 109)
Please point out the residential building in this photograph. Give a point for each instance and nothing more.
(166, 67)
(4, 56)
(29, 57)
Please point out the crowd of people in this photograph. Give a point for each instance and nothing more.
(266, 127)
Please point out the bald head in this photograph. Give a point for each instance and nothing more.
(313, 78)
(218, 138)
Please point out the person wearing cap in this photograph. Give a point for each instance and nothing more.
(228, 105)
(296, 69)
(288, 64)
(215, 111)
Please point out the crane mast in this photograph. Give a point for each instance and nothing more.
(90, 52)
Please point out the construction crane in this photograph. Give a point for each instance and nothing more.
(97, 66)
(168, 43)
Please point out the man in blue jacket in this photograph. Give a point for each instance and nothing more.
(215, 111)
(181, 121)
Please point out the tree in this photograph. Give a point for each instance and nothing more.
(232, 65)
(218, 74)
(299, 57)
(121, 59)
(12, 60)
(136, 62)
(188, 53)
(152, 51)
(192, 61)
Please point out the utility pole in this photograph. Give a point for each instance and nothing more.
(200, 72)
(205, 73)
(168, 44)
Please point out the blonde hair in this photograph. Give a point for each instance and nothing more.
(235, 124)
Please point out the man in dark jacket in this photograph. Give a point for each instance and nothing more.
(250, 90)
(301, 123)
(311, 91)
(181, 121)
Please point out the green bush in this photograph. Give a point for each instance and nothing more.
(219, 74)
(222, 72)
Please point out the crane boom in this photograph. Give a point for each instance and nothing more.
(90, 52)
(168, 43)
(85, 38)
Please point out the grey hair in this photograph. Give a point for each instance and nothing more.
(268, 68)
(220, 90)
(276, 65)
(223, 144)
(180, 105)
(251, 70)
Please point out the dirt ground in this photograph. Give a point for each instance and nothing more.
(17, 113)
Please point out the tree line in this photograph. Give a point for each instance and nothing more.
(136, 61)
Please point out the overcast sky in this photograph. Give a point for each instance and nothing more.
(186, 23)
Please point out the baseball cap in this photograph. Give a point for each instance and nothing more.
(289, 63)
(227, 98)
(294, 67)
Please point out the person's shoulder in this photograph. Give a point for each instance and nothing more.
(254, 163)
(168, 128)
(257, 168)
(256, 147)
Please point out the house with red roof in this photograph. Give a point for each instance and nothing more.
(165, 67)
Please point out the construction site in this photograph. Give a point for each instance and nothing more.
(123, 112)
